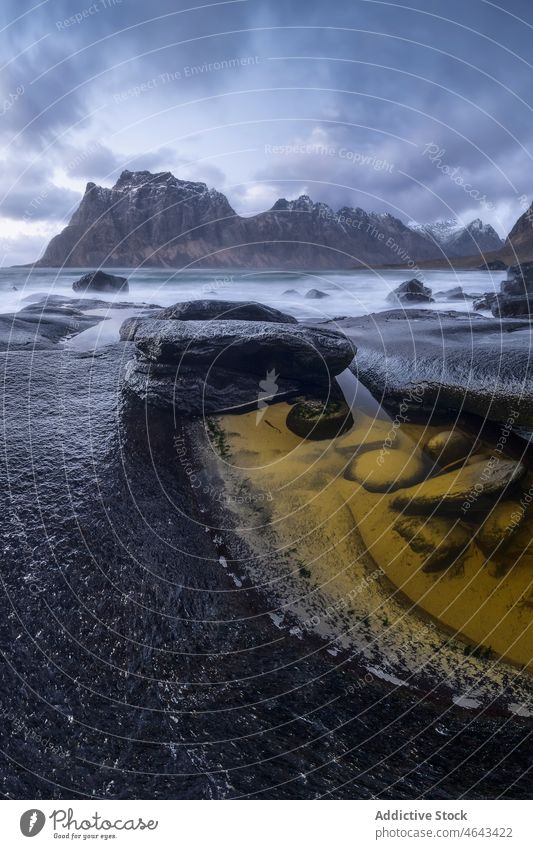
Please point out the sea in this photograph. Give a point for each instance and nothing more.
(347, 292)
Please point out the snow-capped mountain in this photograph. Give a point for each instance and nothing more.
(456, 239)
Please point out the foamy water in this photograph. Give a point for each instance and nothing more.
(348, 292)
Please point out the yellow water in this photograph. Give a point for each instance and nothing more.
(339, 533)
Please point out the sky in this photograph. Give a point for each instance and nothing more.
(421, 109)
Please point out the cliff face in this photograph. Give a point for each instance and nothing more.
(158, 220)
(519, 242)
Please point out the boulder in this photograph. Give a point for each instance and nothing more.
(290, 292)
(319, 419)
(499, 526)
(519, 280)
(316, 294)
(386, 471)
(294, 351)
(439, 541)
(484, 302)
(100, 281)
(230, 364)
(411, 291)
(449, 446)
(208, 310)
(452, 294)
(471, 488)
(512, 306)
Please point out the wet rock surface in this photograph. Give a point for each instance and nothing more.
(40, 327)
(471, 487)
(411, 291)
(442, 542)
(100, 281)
(320, 419)
(207, 310)
(144, 672)
(386, 472)
(235, 362)
(449, 446)
(446, 360)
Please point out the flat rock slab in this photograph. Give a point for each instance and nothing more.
(455, 360)
(292, 351)
(41, 329)
(470, 488)
(209, 310)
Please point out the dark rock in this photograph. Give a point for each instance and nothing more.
(435, 360)
(493, 265)
(290, 292)
(411, 291)
(202, 392)
(485, 301)
(218, 365)
(87, 303)
(512, 306)
(41, 327)
(296, 351)
(452, 294)
(440, 542)
(207, 310)
(519, 280)
(320, 419)
(316, 294)
(100, 281)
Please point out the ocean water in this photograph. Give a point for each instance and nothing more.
(348, 292)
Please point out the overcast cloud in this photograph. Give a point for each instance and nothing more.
(421, 109)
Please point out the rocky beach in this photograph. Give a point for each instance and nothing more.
(268, 558)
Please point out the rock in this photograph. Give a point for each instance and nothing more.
(87, 303)
(512, 306)
(493, 265)
(42, 326)
(452, 294)
(316, 294)
(254, 347)
(440, 541)
(449, 446)
(128, 328)
(519, 280)
(320, 419)
(195, 392)
(444, 361)
(100, 281)
(207, 310)
(217, 365)
(386, 471)
(499, 526)
(485, 301)
(470, 488)
(290, 292)
(411, 291)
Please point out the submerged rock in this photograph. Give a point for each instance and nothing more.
(320, 419)
(411, 291)
(386, 471)
(499, 526)
(208, 310)
(449, 446)
(100, 281)
(440, 541)
(470, 488)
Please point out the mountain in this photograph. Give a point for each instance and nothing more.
(519, 242)
(456, 240)
(159, 220)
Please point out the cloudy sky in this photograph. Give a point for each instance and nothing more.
(421, 108)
